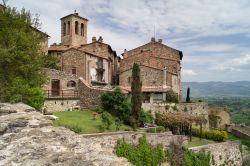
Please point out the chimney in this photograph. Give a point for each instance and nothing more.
(100, 39)
(160, 40)
(152, 39)
(93, 39)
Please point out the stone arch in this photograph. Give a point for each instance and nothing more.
(76, 27)
(71, 84)
(82, 29)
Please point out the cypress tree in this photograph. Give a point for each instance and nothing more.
(136, 99)
(188, 95)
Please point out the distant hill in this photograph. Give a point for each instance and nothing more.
(217, 89)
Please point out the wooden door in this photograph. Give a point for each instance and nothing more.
(55, 87)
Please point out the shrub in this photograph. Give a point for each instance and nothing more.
(158, 129)
(106, 120)
(117, 104)
(98, 110)
(172, 97)
(175, 108)
(185, 109)
(143, 154)
(215, 135)
(167, 107)
(196, 159)
(118, 124)
(145, 117)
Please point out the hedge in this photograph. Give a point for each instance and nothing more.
(215, 135)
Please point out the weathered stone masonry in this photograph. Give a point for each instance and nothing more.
(90, 97)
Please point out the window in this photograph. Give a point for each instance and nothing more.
(73, 70)
(76, 27)
(71, 84)
(64, 29)
(82, 29)
(68, 31)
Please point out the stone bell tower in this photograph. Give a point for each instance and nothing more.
(73, 30)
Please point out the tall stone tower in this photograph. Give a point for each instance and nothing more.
(73, 30)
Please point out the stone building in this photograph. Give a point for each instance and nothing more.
(160, 67)
(96, 63)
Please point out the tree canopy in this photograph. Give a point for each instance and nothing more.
(21, 58)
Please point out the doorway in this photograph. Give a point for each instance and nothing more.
(55, 87)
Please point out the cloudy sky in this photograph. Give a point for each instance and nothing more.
(214, 35)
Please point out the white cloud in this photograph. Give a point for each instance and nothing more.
(188, 72)
(235, 64)
(182, 24)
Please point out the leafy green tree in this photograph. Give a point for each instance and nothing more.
(21, 58)
(117, 104)
(136, 99)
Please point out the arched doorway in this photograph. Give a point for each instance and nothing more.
(55, 87)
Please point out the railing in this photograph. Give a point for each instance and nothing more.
(71, 93)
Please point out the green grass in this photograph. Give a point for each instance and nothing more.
(82, 122)
(196, 141)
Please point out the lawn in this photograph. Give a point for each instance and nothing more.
(196, 141)
(82, 122)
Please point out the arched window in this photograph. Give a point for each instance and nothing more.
(64, 29)
(82, 29)
(76, 27)
(68, 32)
(71, 84)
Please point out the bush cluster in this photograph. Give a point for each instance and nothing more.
(143, 154)
(195, 159)
(106, 120)
(117, 104)
(172, 97)
(145, 117)
(215, 135)
(158, 129)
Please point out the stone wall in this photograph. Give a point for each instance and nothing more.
(222, 154)
(224, 117)
(57, 105)
(109, 139)
(74, 58)
(197, 109)
(90, 97)
(240, 131)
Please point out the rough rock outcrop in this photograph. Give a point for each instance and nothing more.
(7, 108)
(28, 138)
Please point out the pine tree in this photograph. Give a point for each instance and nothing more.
(136, 99)
(21, 59)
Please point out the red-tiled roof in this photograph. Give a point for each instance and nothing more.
(147, 89)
